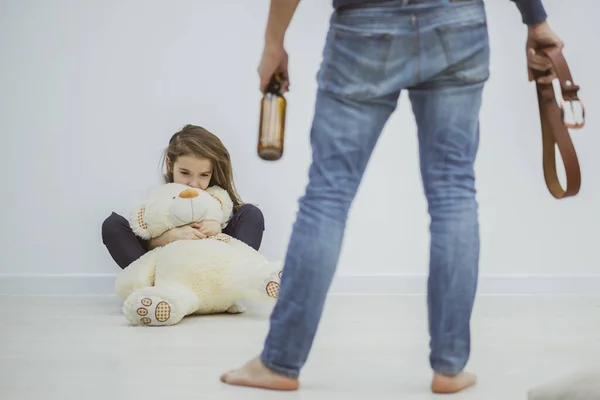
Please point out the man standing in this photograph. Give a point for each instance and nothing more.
(438, 51)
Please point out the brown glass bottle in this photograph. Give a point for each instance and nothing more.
(271, 131)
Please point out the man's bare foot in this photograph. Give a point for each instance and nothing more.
(255, 374)
(452, 384)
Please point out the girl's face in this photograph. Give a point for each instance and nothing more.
(192, 171)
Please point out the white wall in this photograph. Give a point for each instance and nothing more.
(90, 92)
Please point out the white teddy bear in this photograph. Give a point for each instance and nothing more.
(186, 277)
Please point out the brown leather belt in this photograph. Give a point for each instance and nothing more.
(556, 101)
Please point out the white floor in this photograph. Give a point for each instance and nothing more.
(368, 347)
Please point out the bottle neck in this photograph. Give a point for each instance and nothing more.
(274, 86)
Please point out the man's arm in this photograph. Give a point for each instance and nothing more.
(274, 58)
(280, 16)
(532, 11)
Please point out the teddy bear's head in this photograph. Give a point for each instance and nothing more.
(171, 205)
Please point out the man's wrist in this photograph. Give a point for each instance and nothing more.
(274, 37)
(538, 25)
(532, 11)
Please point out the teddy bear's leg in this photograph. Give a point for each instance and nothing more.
(274, 272)
(137, 275)
(160, 305)
(260, 281)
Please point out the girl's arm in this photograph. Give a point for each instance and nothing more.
(160, 241)
(186, 232)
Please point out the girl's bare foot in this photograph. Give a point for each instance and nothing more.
(452, 384)
(255, 374)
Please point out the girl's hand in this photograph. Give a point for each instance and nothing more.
(186, 232)
(208, 228)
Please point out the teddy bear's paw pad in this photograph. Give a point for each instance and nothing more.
(150, 310)
(272, 289)
(221, 237)
(162, 313)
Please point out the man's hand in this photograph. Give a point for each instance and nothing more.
(274, 59)
(541, 35)
(208, 228)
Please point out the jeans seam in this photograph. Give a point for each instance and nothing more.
(327, 60)
(417, 49)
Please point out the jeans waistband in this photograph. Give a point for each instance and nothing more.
(397, 3)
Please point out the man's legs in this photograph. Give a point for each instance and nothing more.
(448, 140)
(377, 53)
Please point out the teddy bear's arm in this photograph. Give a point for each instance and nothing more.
(138, 274)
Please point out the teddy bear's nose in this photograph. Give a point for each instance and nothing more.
(188, 194)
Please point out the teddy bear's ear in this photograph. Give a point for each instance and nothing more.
(138, 222)
(223, 197)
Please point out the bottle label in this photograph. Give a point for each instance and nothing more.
(271, 129)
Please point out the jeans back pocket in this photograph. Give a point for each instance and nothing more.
(354, 61)
(466, 46)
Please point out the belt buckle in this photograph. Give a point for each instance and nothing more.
(576, 109)
(577, 124)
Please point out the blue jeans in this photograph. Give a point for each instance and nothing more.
(437, 50)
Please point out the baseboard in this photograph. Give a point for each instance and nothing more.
(372, 284)
(57, 284)
(490, 284)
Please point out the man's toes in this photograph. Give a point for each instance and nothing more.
(225, 376)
